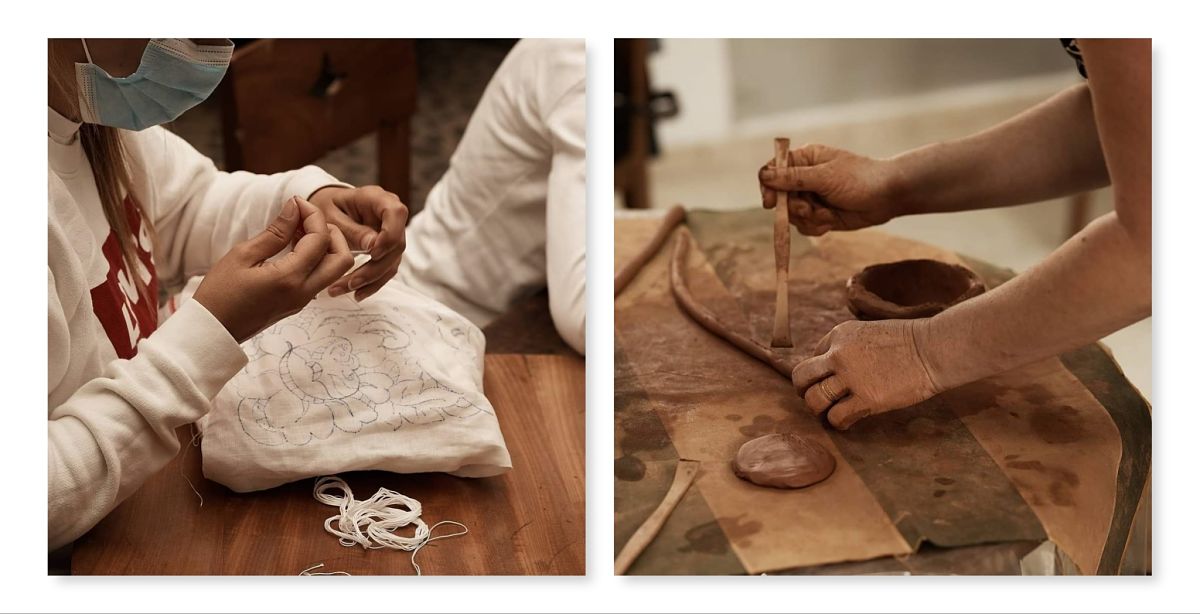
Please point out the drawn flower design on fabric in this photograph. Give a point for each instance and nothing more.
(338, 370)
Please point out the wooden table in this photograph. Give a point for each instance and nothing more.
(528, 521)
(1044, 469)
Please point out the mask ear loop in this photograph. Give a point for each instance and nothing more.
(86, 53)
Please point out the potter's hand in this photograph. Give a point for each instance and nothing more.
(372, 219)
(831, 189)
(865, 368)
(247, 293)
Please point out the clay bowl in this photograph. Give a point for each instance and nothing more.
(910, 289)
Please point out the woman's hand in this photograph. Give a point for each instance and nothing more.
(248, 293)
(372, 219)
(865, 368)
(832, 189)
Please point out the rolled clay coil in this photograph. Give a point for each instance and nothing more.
(675, 215)
(707, 319)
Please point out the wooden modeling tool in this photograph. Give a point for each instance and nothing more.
(685, 473)
(781, 336)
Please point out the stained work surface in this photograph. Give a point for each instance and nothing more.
(527, 521)
(1027, 456)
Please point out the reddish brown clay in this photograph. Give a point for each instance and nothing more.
(910, 289)
(783, 461)
(674, 217)
(706, 318)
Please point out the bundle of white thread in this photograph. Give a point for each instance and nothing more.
(372, 523)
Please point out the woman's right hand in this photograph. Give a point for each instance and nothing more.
(833, 189)
(248, 293)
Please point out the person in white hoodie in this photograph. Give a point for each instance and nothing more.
(509, 216)
(134, 209)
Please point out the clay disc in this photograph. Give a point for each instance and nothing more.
(783, 461)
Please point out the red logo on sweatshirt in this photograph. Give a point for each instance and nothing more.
(127, 314)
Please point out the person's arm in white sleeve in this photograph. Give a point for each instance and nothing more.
(566, 204)
(198, 212)
(117, 430)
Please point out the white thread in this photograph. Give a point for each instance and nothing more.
(193, 443)
(464, 531)
(310, 572)
(372, 523)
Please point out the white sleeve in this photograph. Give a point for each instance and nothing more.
(566, 201)
(198, 212)
(117, 430)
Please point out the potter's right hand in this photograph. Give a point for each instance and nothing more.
(248, 293)
(832, 189)
(864, 368)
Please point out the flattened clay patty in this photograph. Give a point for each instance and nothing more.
(783, 461)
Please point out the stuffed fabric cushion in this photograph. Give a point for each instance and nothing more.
(394, 383)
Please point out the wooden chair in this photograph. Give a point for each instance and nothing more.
(630, 175)
(287, 102)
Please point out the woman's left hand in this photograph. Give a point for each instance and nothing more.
(372, 219)
(865, 368)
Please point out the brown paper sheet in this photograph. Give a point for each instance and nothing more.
(1014, 458)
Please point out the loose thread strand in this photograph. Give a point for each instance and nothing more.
(195, 441)
(310, 572)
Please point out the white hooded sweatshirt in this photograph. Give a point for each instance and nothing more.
(119, 381)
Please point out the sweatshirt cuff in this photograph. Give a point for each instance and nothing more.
(202, 347)
(309, 179)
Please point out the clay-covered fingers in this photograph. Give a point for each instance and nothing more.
(809, 372)
(823, 394)
(769, 195)
(847, 411)
(795, 178)
(824, 344)
(334, 264)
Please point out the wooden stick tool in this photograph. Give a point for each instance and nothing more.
(781, 336)
(685, 473)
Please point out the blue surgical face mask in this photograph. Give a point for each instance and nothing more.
(175, 75)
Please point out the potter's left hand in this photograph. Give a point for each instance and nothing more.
(372, 219)
(865, 368)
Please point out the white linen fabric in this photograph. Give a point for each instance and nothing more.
(394, 383)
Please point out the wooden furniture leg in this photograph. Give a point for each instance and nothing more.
(637, 184)
(395, 157)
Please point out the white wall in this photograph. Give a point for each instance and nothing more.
(698, 71)
(730, 88)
